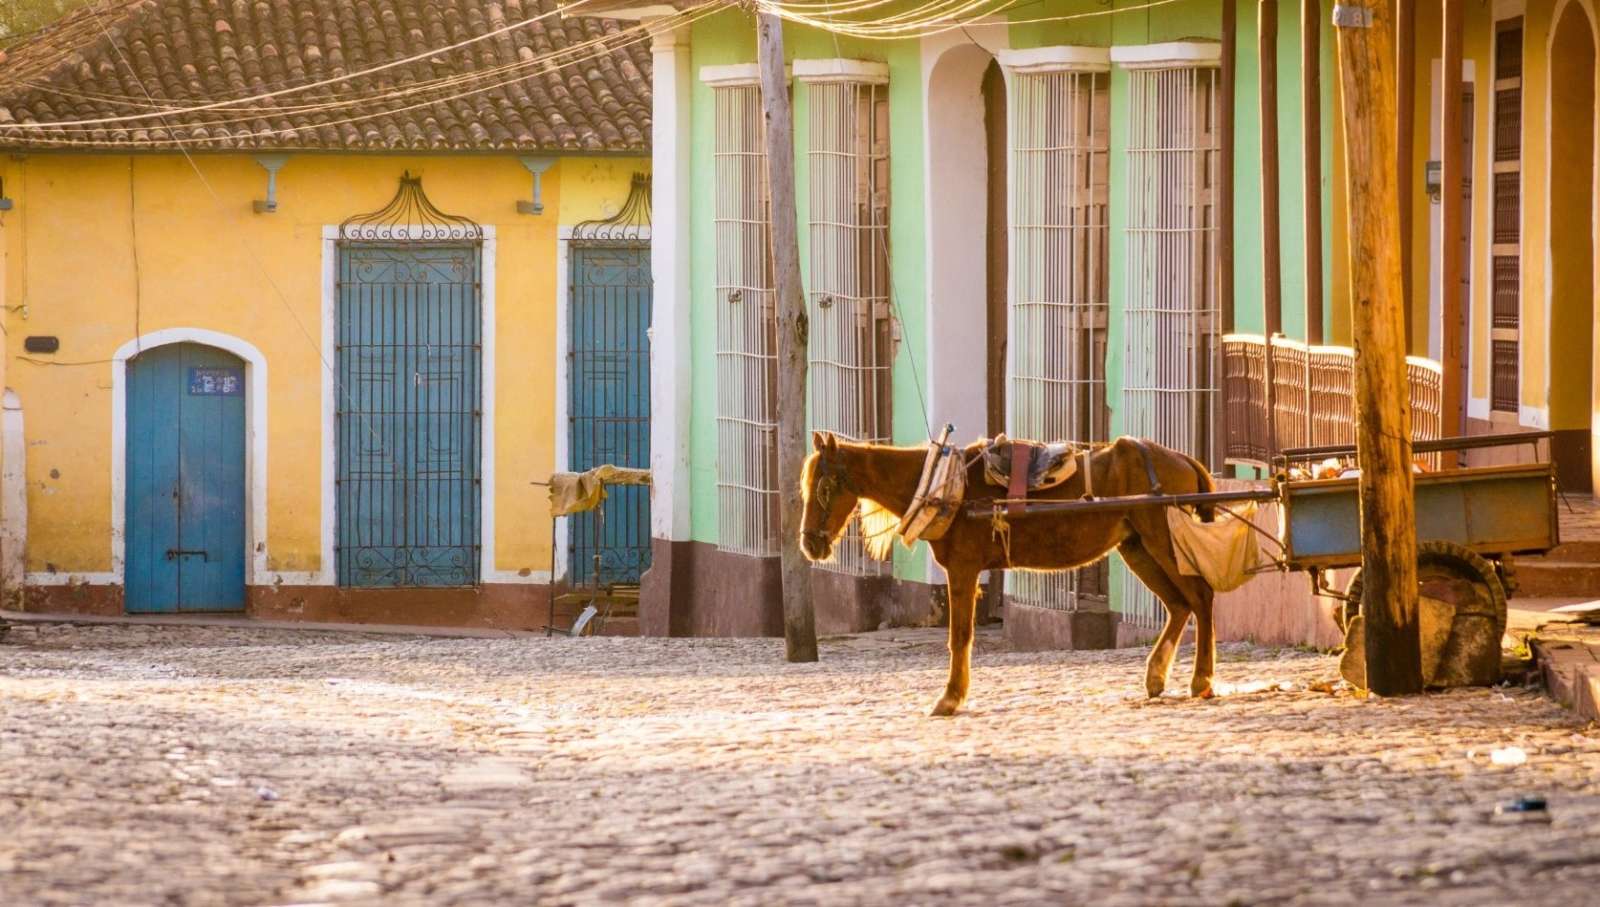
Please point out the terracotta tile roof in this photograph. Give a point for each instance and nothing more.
(499, 94)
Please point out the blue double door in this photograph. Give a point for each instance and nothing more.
(410, 411)
(184, 527)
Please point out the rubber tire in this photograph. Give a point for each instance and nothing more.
(1470, 656)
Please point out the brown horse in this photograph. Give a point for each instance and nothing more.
(841, 474)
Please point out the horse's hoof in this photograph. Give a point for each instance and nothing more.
(1154, 688)
(945, 707)
(1203, 692)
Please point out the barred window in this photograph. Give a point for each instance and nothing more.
(852, 332)
(1059, 138)
(747, 406)
(1506, 303)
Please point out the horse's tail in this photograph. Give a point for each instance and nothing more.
(1203, 483)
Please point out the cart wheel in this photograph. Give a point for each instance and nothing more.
(1462, 619)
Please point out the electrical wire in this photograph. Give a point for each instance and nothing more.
(261, 96)
(605, 49)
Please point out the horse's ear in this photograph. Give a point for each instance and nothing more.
(817, 441)
(831, 440)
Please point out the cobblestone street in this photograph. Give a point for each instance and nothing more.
(177, 765)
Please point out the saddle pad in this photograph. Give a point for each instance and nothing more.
(1049, 465)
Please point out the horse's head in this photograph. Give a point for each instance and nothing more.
(830, 497)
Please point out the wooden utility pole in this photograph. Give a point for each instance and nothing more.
(1451, 182)
(799, 621)
(1383, 414)
(1311, 141)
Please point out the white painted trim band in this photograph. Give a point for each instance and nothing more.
(866, 72)
(1064, 58)
(733, 75)
(1172, 55)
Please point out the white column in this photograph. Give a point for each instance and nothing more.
(13, 500)
(671, 399)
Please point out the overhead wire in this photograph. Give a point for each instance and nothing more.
(551, 63)
(600, 51)
(261, 96)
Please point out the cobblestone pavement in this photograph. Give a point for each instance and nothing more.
(225, 766)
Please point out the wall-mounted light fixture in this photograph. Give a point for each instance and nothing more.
(271, 163)
(536, 166)
(1433, 180)
(5, 202)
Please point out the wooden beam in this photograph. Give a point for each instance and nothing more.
(799, 621)
(1367, 63)
(1311, 139)
(1452, 179)
(1225, 82)
(1271, 236)
(1405, 157)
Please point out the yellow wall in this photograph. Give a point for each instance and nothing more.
(1572, 65)
(208, 261)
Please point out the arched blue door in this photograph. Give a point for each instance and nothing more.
(185, 508)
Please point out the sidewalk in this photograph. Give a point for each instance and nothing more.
(1566, 651)
(245, 623)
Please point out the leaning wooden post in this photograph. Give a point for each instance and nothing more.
(1383, 414)
(799, 622)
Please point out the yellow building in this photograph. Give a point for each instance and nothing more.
(1526, 296)
(302, 352)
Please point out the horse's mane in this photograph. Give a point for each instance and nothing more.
(879, 529)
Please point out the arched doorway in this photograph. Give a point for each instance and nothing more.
(967, 245)
(184, 527)
(966, 228)
(1572, 244)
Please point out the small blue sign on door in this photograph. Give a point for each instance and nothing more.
(216, 382)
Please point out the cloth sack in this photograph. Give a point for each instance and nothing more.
(577, 492)
(1223, 552)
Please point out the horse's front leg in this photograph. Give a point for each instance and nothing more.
(963, 586)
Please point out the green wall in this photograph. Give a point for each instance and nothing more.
(729, 37)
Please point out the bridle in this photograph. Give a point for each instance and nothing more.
(831, 479)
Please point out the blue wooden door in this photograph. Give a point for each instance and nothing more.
(184, 530)
(609, 405)
(410, 409)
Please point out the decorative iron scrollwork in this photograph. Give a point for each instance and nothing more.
(629, 226)
(410, 217)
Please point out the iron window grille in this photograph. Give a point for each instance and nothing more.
(1171, 367)
(851, 329)
(746, 342)
(1058, 273)
(409, 382)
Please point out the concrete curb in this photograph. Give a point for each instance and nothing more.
(1570, 668)
(31, 617)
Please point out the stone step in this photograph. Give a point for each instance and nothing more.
(1547, 578)
(1580, 550)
